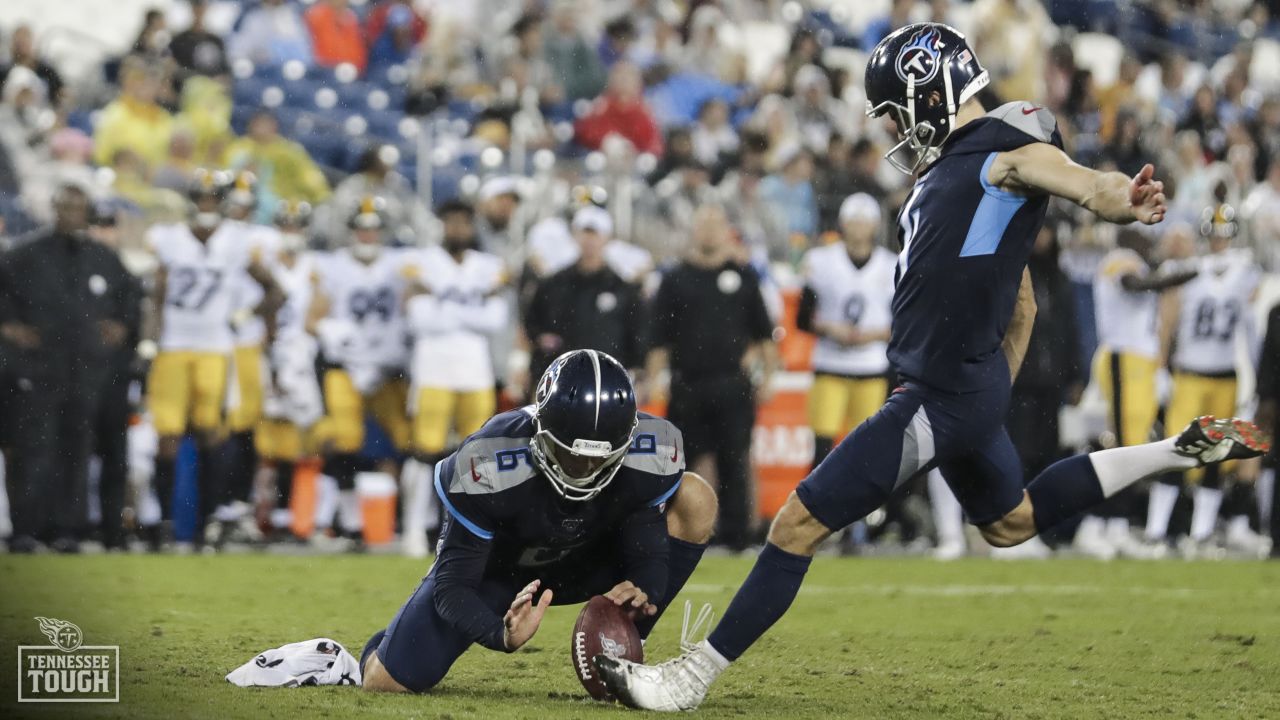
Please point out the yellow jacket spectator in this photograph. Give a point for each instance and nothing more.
(134, 121)
(282, 165)
(206, 113)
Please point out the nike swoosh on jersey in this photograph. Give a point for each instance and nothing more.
(1028, 111)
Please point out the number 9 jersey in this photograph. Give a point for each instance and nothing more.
(199, 285)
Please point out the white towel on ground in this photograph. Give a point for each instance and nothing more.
(312, 662)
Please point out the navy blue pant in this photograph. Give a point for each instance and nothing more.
(419, 646)
(919, 428)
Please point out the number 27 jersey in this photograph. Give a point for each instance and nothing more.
(199, 283)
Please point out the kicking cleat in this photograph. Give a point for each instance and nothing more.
(677, 684)
(1210, 440)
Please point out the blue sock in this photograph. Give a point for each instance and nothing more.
(1063, 490)
(761, 601)
(682, 559)
(370, 646)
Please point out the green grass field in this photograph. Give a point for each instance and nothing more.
(884, 638)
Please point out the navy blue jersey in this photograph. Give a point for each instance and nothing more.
(492, 488)
(964, 245)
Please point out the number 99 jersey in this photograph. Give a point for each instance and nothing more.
(199, 285)
(370, 297)
(1214, 307)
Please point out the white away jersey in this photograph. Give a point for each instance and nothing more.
(263, 242)
(200, 285)
(452, 324)
(367, 300)
(1126, 320)
(849, 294)
(1214, 308)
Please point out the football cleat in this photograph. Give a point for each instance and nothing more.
(675, 685)
(1210, 440)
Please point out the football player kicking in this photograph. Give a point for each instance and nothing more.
(575, 496)
(962, 315)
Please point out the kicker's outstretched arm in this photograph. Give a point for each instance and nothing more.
(1043, 168)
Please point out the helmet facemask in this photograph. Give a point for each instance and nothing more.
(579, 471)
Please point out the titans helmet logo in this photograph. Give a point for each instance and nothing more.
(920, 58)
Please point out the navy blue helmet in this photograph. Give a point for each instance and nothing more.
(903, 74)
(584, 418)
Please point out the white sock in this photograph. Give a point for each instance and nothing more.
(349, 511)
(1117, 530)
(281, 518)
(1263, 493)
(414, 492)
(149, 509)
(948, 518)
(1159, 509)
(1239, 526)
(720, 661)
(326, 501)
(6, 527)
(1091, 526)
(1204, 512)
(1118, 468)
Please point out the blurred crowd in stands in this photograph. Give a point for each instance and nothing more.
(668, 105)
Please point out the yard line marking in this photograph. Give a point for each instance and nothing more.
(966, 590)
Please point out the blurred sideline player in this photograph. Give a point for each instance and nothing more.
(1126, 297)
(247, 386)
(292, 406)
(1205, 317)
(455, 306)
(552, 503)
(195, 301)
(962, 316)
(848, 288)
(357, 314)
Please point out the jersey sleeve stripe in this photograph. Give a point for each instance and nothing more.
(667, 495)
(444, 498)
(995, 212)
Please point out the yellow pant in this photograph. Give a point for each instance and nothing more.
(184, 387)
(840, 404)
(1196, 395)
(343, 426)
(280, 440)
(1128, 384)
(439, 409)
(248, 363)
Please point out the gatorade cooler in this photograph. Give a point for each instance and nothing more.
(377, 494)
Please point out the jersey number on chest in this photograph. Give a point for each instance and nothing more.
(191, 288)
(379, 303)
(1214, 321)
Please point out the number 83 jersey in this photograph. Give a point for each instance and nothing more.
(1214, 307)
(199, 282)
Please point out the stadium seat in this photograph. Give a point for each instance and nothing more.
(677, 101)
(249, 90)
(768, 42)
(1100, 54)
(302, 93)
